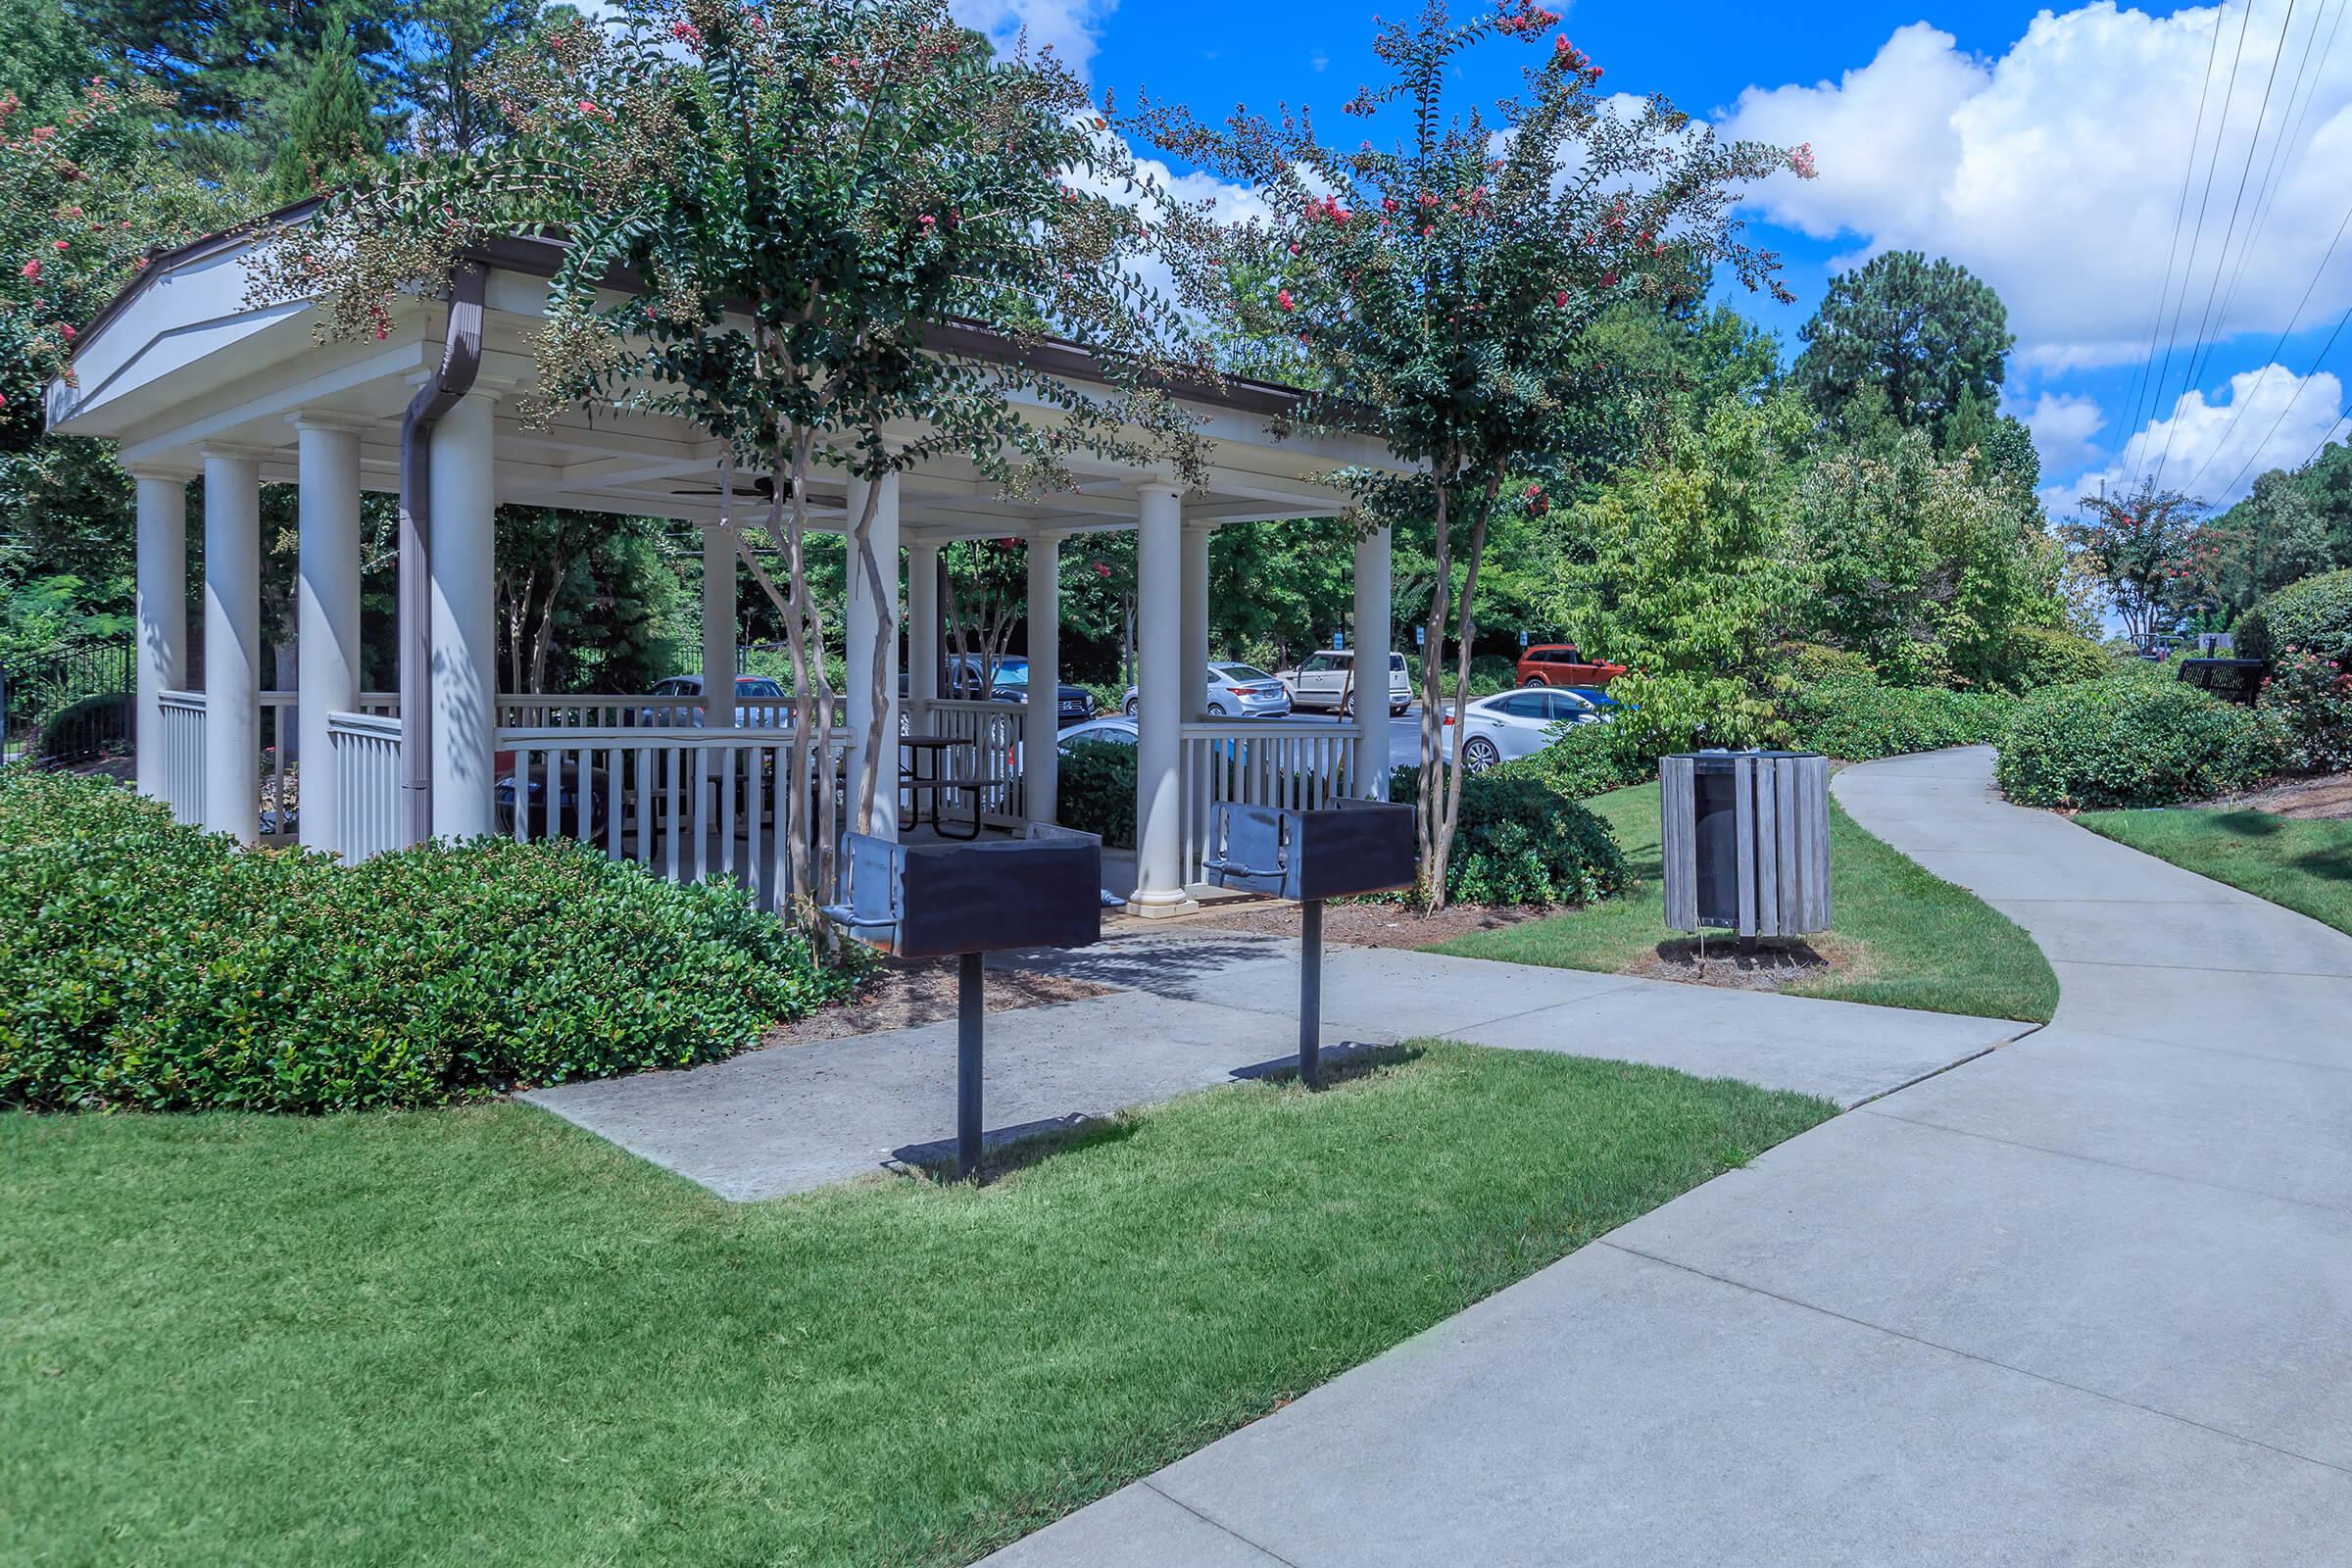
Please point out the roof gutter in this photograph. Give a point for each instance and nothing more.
(461, 362)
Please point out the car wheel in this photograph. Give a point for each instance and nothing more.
(1479, 754)
(1532, 680)
(1216, 710)
(1133, 703)
(1398, 710)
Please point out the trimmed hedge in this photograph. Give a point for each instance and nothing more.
(2045, 656)
(2132, 744)
(156, 967)
(1520, 842)
(1858, 721)
(1587, 759)
(1094, 791)
(2314, 615)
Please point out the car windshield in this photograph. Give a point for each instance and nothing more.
(1013, 672)
(1241, 672)
(1396, 661)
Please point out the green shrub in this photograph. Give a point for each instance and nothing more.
(92, 726)
(2131, 743)
(1110, 696)
(156, 967)
(2045, 656)
(2311, 698)
(1094, 792)
(2314, 615)
(1519, 842)
(1588, 759)
(1489, 673)
(1859, 721)
(2250, 638)
(1816, 661)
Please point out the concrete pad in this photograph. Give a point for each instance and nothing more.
(2279, 1128)
(2001, 874)
(2220, 1307)
(2288, 1017)
(792, 1117)
(1841, 1051)
(1136, 1525)
(1615, 1411)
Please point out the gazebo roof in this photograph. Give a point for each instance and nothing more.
(183, 359)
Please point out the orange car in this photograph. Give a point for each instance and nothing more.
(1563, 664)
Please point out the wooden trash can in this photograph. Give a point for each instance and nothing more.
(1747, 841)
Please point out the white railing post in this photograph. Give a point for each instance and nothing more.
(1259, 761)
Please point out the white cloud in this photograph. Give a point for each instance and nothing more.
(2271, 418)
(2065, 428)
(1072, 27)
(2054, 171)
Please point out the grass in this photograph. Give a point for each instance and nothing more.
(483, 1336)
(2305, 866)
(1903, 938)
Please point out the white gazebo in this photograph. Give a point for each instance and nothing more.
(193, 380)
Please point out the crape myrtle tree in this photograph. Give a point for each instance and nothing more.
(2137, 546)
(768, 210)
(1441, 285)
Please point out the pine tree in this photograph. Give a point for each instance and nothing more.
(329, 125)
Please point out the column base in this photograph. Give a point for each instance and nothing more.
(1160, 905)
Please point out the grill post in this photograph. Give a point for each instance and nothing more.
(969, 979)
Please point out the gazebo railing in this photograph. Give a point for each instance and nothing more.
(184, 755)
(1260, 762)
(366, 758)
(682, 801)
(994, 732)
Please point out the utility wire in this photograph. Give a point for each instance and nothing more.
(2290, 401)
(2274, 177)
(2179, 213)
(2205, 320)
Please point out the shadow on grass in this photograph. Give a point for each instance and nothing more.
(1341, 1063)
(1007, 1150)
(2331, 865)
(2248, 825)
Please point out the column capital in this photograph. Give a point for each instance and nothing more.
(331, 419)
(168, 473)
(1162, 481)
(233, 452)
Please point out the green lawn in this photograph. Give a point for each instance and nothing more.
(1910, 939)
(2306, 865)
(483, 1336)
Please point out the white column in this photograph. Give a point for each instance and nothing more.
(1372, 665)
(1196, 619)
(1041, 721)
(233, 642)
(867, 612)
(922, 631)
(718, 626)
(464, 618)
(1162, 682)
(327, 611)
(163, 610)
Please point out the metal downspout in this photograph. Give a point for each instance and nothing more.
(461, 362)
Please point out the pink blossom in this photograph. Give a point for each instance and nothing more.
(1800, 161)
(927, 221)
(1285, 301)
(57, 244)
(32, 269)
(1560, 298)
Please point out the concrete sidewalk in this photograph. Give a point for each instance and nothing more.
(2087, 1299)
(1195, 1010)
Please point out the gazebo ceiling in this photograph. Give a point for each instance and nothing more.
(185, 360)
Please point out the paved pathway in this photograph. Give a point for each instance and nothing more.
(1196, 1009)
(2087, 1299)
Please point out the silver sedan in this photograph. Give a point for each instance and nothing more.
(1512, 724)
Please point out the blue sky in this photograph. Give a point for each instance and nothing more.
(2046, 150)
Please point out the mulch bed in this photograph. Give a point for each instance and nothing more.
(2326, 796)
(1367, 925)
(1776, 963)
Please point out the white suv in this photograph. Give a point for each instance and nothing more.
(1326, 680)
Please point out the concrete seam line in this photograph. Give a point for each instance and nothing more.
(1148, 1485)
(2111, 1164)
(1626, 984)
(1971, 1356)
(2214, 1051)
(1937, 1072)
(2201, 968)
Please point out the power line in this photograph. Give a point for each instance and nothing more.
(2274, 176)
(2290, 401)
(2204, 200)
(2205, 320)
(2179, 213)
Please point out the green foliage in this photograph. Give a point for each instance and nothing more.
(2314, 615)
(1677, 570)
(1521, 841)
(1489, 672)
(2277, 535)
(156, 967)
(2133, 743)
(1094, 791)
(1860, 719)
(1587, 759)
(1926, 334)
(1810, 661)
(2035, 657)
(330, 128)
(2135, 546)
(2312, 697)
(1918, 564)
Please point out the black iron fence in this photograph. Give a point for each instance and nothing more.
(68, 708)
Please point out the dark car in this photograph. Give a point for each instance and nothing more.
(1072, 704)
